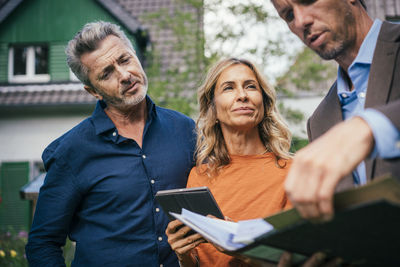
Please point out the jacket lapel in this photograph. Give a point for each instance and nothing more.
(331, 114)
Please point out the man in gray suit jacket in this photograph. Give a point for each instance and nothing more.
(355, 130)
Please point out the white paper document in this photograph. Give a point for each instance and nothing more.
(229, 235)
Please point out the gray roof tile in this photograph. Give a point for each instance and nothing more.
(46, 94)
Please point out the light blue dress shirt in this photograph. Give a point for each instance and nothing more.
(385, 133)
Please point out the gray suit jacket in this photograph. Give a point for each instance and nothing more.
(383, 94)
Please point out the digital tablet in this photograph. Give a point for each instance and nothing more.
(196, 199)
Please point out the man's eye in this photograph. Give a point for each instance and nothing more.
(125, 60)
(289, 16)
(105, 76)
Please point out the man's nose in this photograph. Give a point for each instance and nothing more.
(302, 17)
(125, 76)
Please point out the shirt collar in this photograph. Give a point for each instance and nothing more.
(364, 56)
(102, 123)
(366, 52)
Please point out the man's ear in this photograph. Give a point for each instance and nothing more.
(93, 92)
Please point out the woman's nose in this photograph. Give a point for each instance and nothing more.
(241, 93)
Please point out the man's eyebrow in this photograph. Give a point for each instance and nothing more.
(124, 55)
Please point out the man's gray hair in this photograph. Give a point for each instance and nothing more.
(87, 40)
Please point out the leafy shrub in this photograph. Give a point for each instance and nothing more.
(12, 249)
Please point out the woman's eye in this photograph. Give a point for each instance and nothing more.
(227, 88)
(251, 86)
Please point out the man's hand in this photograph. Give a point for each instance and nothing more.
(317, 168)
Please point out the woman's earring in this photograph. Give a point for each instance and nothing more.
(216, 121)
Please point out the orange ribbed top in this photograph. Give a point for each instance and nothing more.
(249, 187)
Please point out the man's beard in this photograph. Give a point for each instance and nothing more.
(334, 52)
(342, 40)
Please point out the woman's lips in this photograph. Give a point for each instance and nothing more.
(243, 110)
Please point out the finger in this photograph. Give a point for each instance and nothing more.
(177, 238)
(228, 219)
(196, 236)
(301, 183)
(308, 211)
(183, 231)
(181, 242)
(315, 260)
(173, 226)
(188, 247)
(285, 260)
(325, 196)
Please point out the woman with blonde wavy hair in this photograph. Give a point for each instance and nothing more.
(242, 155)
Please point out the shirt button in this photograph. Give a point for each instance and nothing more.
(157, 210)
(361, 95)
(344, 95)
(152, 181)
(144, 156)
(114, 133)
(160, 238)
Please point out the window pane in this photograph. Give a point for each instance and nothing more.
(41, 60)
(20, 60)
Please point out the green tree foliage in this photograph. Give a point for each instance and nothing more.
(297, 144)
(308, 73)
(234, 24)
(241, 29)
(176, 87)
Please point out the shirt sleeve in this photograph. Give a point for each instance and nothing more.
(386, 135)
(58, 199)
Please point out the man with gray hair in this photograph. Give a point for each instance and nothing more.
(355, 131)
(102, 175)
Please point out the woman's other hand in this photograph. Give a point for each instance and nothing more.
(182, 240)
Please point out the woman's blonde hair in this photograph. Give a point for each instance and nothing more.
(211, 148)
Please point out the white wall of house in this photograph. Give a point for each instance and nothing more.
(24, 139)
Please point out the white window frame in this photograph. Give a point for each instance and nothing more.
(30, 75)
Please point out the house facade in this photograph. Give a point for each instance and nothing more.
(40, 98)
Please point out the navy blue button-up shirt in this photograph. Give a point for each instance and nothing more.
(100, 187)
